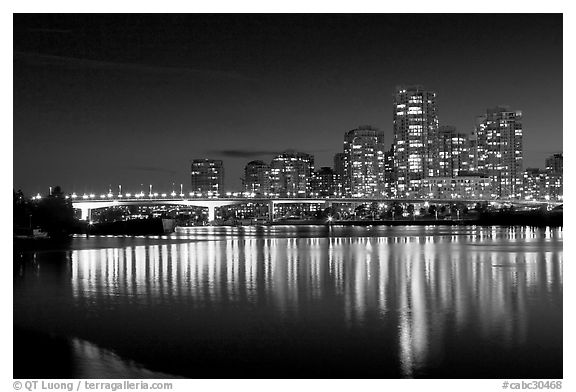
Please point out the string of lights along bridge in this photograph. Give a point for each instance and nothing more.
(89, 202)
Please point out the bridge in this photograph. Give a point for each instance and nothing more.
(86, 205)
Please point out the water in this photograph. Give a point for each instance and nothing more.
(348, 302)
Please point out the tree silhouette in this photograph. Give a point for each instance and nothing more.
(54, 214)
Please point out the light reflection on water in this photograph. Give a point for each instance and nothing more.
(424, 294)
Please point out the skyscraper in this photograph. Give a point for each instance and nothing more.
(555, 163)
(554, 176)
(534, 184)
(207, 177)
(290, 174)
(451, 155)
(390, 189)
(364, 162)
(339, 173)
(257, 178)
(323, 184)
(499, 150)
(415, 131)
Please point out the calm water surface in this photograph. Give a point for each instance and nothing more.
(217, 302)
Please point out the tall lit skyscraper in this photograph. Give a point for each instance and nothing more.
(415, 131)
(207, 177)
(364, 162)
(290, 174)
(499, 150)
(257, 178)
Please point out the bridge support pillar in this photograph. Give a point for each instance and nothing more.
(271, 211)
(211, 214)
(86, 214)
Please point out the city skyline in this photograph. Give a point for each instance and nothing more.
(265, 103)
(360, 196)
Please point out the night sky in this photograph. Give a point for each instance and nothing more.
(103, 100)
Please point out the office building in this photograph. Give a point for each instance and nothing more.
(499, 150)
(323, 184)
(554, 177)
(257, 178)
(339, 173)
(534, 184)
(451, 155)
(207, 177)
(364, 162)
(290, 174)
(389, 174)
(466, 187)
(555, 164)
(415, 131)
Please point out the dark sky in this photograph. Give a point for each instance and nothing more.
(104, 100)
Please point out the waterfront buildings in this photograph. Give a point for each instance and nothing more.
(424, 160)
(534, 184)
(323, 184)
(339, 173)
(461, 187)
(499, 150)
(555, 164)
(451, 152)
(207, 177)
(290, 174)
(415, 123)
(554, 176)
(257, 178)
(364, 162)
(389, 174)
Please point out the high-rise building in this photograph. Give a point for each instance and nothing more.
(461, 187)
(339, 173)
(472, 152)
(534, 184)
(554, 177)
(257, 178)
(364, 162)
(389, 174)
(499, 150)
(555, 164)
(323, 184)
(290, 174)
(415, 131)
(207, 176)
(451, 156)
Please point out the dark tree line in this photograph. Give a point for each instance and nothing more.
(52, 214)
